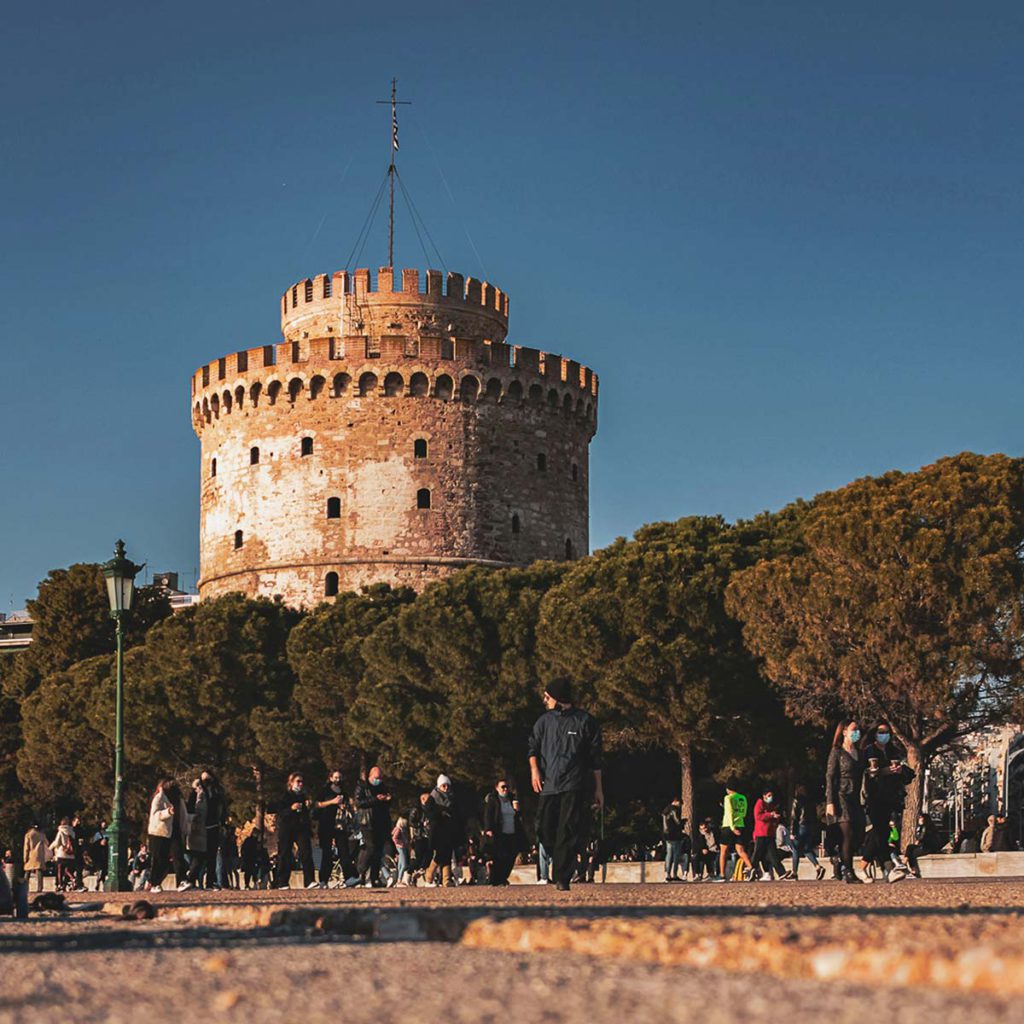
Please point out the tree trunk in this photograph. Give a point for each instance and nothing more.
(686, 786)
(917, 761)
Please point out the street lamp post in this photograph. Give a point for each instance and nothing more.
(120, 576)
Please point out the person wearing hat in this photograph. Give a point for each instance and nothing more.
(565, 762)
(445, 829)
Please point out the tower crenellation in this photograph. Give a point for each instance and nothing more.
(392, 435)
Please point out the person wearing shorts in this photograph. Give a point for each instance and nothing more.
(734, 823)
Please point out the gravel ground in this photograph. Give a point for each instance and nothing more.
(92, 966)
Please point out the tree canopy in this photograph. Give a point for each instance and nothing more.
(451, 682)
(906, 603)
(642, 625)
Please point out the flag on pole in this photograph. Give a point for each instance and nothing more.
(394, 128)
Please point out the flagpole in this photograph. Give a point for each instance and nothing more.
(395, 104)
(391, 177)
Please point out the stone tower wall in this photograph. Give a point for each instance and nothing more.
(506, 429)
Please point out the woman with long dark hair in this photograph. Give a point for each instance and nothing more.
(168, 822)
(843, 780)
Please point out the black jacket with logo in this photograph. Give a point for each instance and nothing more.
(567, 745)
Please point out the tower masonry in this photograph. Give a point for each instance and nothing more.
(392, 436)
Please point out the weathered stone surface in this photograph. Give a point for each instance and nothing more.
(366, 378)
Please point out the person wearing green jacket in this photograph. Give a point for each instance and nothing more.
(734, 822)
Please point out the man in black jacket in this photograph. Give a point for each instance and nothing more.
(373, 813)
(565, 760)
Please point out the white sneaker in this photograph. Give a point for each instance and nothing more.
(155, 888)
(184, 885)
(314, 885)
(542, 881)
(390, 883)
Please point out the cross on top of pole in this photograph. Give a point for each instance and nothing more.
(395, 104)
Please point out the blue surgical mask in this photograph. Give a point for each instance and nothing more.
(374, 782)
(855, 735)
(882, 737)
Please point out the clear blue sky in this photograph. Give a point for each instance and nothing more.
(788, 236)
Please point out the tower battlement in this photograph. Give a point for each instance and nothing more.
(333, 303)
(392, 435)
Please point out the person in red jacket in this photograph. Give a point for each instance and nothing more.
(766, 820)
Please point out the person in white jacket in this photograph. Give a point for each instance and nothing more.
(168, 824)
(63, 850)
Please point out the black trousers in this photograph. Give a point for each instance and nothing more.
(371, 853)
(162, 850)
(286, 839)
(334, 846)
(766, 856)
(212, 846)
(503, 857)
(560, 823)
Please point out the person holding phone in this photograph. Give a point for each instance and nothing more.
(843, 780)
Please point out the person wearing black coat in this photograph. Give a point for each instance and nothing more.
(294, 828)
(803, 828)
(843, 779)
(373, 815)
(503, 831)
(445, 830)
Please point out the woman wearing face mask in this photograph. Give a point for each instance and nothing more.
(843, 779)
(766, 820)
(294, 828)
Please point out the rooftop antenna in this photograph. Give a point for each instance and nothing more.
(395, 104)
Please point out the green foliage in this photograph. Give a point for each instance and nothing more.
(325, 652)
(904, 605)
(206, 689)
(72, 622)
(451, 682)
(66, 761)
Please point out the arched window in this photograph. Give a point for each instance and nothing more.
(515, 523)
(334, 508)
(254, 456)
(340, 384)
(367, 384)
(493, 392)
(444, 387)
(536, 394)
(419, 385)
(469, 388)
(419, 448)
(423, 497)
(542, 463)
(514, 392)
(294, 388)
(316, 386)
(575, 472)
(273, 390)
(238, 539)
(568, 549)
(213, 467)
(393, 385)
(239, 396)
(567, 405)
(307, 446)
(228, 401)
(331, 585)
(309, 291)
(254, 394)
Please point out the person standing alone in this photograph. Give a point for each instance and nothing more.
(565, 760)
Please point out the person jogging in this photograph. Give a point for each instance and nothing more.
(565, 760)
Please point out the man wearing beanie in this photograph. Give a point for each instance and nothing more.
(565, 761)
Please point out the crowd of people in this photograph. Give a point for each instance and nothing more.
(362, 838)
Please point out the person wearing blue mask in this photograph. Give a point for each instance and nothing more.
(843, 779)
